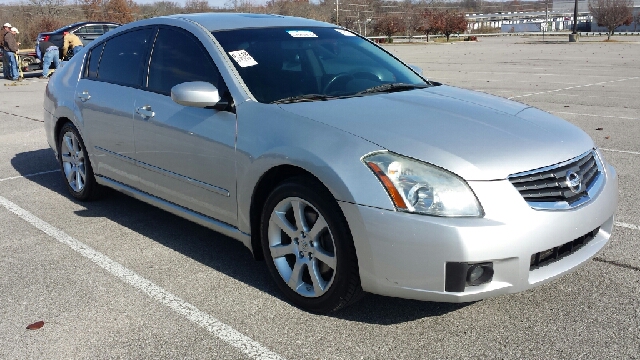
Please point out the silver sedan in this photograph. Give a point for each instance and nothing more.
(343, 168)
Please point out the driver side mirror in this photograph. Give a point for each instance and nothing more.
(417, 69)
(200, 94)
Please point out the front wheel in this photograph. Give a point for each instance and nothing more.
(308, 247)
(75, 165)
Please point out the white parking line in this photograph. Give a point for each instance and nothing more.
(628, 226)
(575, 87)
(622, 151)
(223, 331)
(594, 115)
(28, 175)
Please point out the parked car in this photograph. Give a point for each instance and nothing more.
(344, 168)
(87, 31)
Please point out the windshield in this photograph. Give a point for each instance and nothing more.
(312, 63)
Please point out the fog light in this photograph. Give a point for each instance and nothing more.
(478, 274)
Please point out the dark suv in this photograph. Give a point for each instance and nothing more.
(87, 31)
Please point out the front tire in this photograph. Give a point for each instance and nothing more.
(75, 164)
(308, 247)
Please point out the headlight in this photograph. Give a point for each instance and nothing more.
(421, 188)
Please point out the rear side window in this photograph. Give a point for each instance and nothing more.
(123, 58)
(179, 57)
(94, 60)
(90, 29)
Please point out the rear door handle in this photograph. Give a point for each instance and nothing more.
(84, 96)
(145, 112)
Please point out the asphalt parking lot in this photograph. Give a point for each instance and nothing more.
(118, 278)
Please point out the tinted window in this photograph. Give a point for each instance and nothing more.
(179, 57)
(122, 60)
(90, 29)
(94, 60)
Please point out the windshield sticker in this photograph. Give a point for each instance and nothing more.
(345, 32)
(243, 58)
(301, 33)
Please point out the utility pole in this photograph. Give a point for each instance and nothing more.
(337, 12)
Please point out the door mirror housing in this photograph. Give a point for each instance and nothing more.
(198, 94)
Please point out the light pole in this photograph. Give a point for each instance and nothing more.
(573, 37)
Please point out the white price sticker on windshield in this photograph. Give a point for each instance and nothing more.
(302, 33)
(243, 58)
(345, 32)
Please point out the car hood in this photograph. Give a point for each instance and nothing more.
(475, 135)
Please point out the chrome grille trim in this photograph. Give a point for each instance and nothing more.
(548, 189)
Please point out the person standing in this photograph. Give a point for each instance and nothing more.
(48, 53)
(11, 45)
(71, 41)
(5, 64)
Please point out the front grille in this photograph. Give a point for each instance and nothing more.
(545, 188)
(546, 257)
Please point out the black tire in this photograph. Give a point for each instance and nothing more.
(75, 165)
(315, 263)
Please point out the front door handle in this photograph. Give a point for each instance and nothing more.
(145, 112)
(84, 96)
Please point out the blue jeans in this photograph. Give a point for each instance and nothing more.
(13, 66)
(5, 64)
(48, 58)
(76, 49)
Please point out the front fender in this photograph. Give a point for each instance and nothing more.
(269, 137)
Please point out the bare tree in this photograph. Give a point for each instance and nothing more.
(412, 18)
(450, 22)
(428, 23)
(159, 8)
(389, 24)
(93, 9)
(50, 8)
(611, 13)
(196, 6)
(637, 22)
(244, 6)
(120, 11)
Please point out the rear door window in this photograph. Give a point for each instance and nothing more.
(123, 58)
(90, 29)
(94, 60)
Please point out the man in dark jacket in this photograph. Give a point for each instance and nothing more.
(5, 64)
(48, 53)
(11, 45)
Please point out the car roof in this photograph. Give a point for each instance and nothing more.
(230, 21)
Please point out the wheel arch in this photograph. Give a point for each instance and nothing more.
(56, 130)
(265, 185)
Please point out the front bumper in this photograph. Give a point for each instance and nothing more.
(405, 255)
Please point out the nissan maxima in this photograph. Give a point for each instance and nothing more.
(345, 169)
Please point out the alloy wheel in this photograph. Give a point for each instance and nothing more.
(302, 247)
(73, 161)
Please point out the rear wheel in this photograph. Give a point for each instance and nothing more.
(75, 165)
(308, 247)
